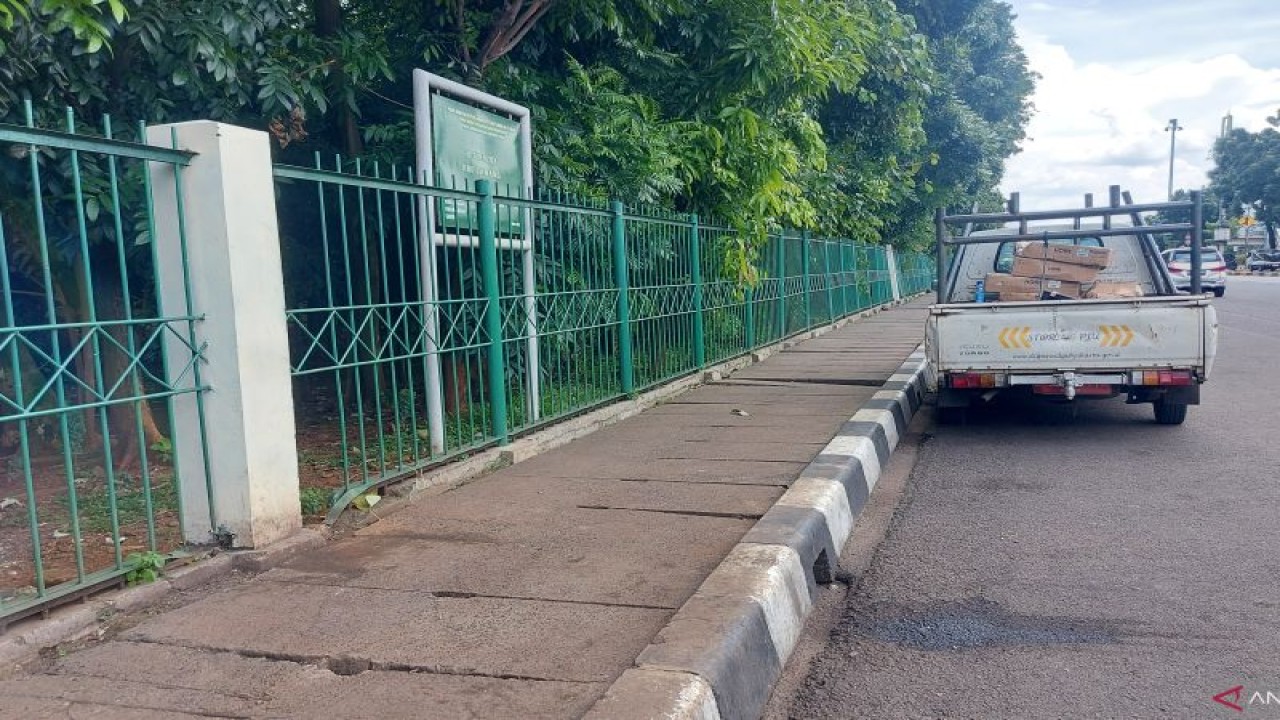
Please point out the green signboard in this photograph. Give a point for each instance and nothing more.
(471, 144)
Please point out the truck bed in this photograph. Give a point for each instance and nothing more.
(1079, 335)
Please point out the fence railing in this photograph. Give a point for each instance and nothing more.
(415, 344)
(415, 324)
(90, 364)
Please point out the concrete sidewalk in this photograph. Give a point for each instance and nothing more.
(521, 595)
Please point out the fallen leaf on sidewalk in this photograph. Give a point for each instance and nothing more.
(740, 413)
(366, 501)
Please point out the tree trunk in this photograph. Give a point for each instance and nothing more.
(328, 23)
(123, 419)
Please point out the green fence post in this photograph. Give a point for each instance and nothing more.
(695, 273)
(808, 294)
(750, 318)
(827, 280)
(782, 284)
(492, 312)
(624, 303)
(885, 293)
(844, 277)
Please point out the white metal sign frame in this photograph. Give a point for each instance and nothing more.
(426, 84)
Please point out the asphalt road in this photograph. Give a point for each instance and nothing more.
(1099, 567)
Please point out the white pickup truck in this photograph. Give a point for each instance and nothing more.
(1154, 348)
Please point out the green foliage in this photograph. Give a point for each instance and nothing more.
(163, 448)
(855, 115)
(1247, 173)
(147, 567)
(315, 501)
(93, 500)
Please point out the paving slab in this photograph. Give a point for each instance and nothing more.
(137, 694)
(521, 595)
(607, 557)
(724, 472)
(21, 707)
(166, 681)
(517, 492)
(414, 630)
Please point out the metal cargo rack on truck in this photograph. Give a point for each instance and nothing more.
(1151, 251)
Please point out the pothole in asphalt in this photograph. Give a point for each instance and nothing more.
(975, 623)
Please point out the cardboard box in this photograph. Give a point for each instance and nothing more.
(1028, 267)
(1114, 290)
(1017, 297)
(1001, 284)
(1071, 254)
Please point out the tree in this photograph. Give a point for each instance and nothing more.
(1246, 172)
(978, 110)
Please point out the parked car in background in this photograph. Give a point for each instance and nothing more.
(1213, 269)
(1262, 260)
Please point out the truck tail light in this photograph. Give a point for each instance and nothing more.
(973, 381)
(1164, 377)
(1175, 377)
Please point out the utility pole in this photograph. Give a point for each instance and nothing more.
(1222, 201)
(1172, 128)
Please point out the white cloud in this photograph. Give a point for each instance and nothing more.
(1101, 122)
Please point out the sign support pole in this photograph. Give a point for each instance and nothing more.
(424, 83)
(427, 245)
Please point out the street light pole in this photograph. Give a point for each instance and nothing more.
(1172, 128)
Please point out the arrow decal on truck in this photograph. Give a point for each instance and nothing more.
(1116, 335)
(1015, 337)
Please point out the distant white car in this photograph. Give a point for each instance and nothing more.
(1213, 269)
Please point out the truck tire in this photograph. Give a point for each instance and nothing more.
(1170, 413)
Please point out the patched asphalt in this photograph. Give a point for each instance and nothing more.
(1041, 566)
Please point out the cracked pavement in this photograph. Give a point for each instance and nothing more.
(523, 594)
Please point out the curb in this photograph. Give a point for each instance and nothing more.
(724, 649)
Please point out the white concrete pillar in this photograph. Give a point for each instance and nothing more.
(233, 252)
(891, 258)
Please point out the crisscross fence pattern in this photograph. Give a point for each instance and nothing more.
(89, 364)
(415, 341)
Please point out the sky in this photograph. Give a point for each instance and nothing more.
(1112, 76)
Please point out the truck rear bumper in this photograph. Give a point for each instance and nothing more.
(1134, 394)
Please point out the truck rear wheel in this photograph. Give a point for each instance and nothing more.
(1170, 413)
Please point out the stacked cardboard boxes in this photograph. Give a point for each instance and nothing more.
(1058, 271)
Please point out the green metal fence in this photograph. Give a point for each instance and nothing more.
(88, 367)
(416, 341)
(916, 272)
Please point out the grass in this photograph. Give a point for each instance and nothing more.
(131, 503)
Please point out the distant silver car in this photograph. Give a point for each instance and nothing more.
(1213, 269)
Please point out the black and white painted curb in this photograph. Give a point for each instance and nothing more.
(724, 649)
